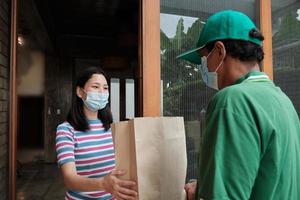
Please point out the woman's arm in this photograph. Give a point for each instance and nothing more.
(110, 183)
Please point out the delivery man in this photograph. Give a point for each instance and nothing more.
(251, 144)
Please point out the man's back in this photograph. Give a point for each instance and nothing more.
(253, 131)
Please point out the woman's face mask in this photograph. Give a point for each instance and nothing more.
(96, 100)
(209, 78)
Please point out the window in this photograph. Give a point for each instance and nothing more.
(184, 93)
(286, 47)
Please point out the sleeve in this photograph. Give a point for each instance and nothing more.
(230, 157)
(64, 145)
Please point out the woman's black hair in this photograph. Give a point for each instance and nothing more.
(76, 116)
(243, 50)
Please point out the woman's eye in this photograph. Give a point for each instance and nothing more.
(96, 87)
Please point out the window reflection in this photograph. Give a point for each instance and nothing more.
(286, 47)
(184, 93)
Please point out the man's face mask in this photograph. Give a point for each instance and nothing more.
(209, 78)
(96, 100)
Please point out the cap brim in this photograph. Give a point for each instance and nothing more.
(191, 56)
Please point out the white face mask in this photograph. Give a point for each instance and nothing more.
(96, 100)
(209, 78)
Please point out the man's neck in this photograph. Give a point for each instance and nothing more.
(237, 70)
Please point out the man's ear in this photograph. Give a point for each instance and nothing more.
(221, 49)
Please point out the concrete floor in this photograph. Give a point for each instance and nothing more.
(37, 180)
(40, 181)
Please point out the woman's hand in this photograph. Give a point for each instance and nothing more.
(190, 189)
(120, 189)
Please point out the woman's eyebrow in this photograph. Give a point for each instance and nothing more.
(97, 83)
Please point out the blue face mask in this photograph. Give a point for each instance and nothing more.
(96, 100)
(209, 78)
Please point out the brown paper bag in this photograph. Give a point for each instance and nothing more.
(153, 152)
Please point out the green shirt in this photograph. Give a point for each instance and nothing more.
(251, 144)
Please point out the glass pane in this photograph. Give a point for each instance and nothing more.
(129, 98)
(115, 98)
(286, 47)
(184, 93)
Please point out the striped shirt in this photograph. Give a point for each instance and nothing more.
(93, 154)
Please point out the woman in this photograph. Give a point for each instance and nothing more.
(84, 144)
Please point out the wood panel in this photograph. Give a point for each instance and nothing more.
(150, 52)
(266, 29)
(58, 98)
(13, 104)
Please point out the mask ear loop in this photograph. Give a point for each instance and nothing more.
(83, 90)
(220, 63)
(206, 57)
(219, 66)
(210, 52)
(86, 94)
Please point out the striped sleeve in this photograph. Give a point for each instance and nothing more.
(64, 144)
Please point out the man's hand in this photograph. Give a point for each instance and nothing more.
(190, 189)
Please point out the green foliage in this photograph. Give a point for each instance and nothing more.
(164, 41)
(289, 30)
(181, 80)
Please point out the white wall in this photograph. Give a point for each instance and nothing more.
(129, 99)
(30, 73)
(115, 98)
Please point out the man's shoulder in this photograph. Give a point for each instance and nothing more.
(230, 95)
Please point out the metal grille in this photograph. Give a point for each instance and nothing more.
(184, 93)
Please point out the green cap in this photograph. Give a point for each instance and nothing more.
(227, 24)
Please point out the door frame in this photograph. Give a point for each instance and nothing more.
(149, 57)
(265, 11)
(13, 124)
(148, 71)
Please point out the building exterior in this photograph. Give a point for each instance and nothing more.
(4, 95)
(163, 86)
